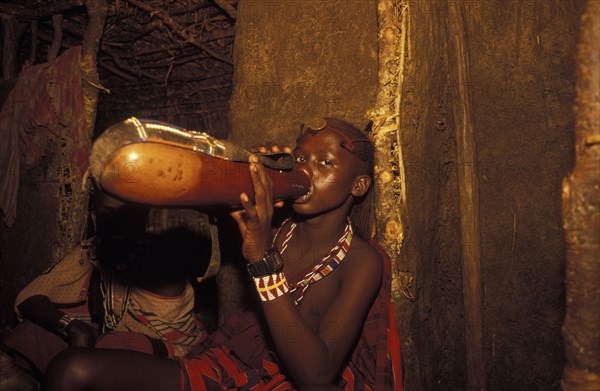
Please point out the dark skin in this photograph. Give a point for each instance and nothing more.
(313, 340)
(40, 310)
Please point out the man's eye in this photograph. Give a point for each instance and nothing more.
(300, 159)
(326, 163)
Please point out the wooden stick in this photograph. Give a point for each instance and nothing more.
(468, 192)
(34, 42)
(179, 29)
(12, 30)
(25, 14)
(581, 217)
(57, 38)
(225, 6)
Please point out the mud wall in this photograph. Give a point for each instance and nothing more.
(522, 76)
(433, 325)
(296, 60)
(523, 86)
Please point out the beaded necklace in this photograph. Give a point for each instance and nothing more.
(110, 295)
(111, 318)
(89, 247)
(325, 266)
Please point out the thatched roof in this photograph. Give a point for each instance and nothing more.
(169, 57)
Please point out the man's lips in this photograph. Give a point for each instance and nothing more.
(304, 198)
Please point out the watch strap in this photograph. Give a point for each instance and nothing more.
(270, 263)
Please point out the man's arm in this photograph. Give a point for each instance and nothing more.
(41, 311)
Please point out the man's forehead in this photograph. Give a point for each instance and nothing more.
(326, 137)
(347, 139)
(317, 125)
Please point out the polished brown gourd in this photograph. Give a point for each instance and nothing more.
(156, 164)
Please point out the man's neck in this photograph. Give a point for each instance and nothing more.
(322, 229)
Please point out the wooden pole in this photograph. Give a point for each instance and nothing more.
(390, 179)
(12, 30)
(57, 21)
(468, 191)
(581, 217)
(78, 197)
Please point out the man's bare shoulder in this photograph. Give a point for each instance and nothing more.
(363, 260)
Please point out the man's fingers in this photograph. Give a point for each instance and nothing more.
(270, 147)
(249, 209)
(238, 216)
(273, 147)
(259, 193)
(263, 190)
(259, 148)
(267, 185)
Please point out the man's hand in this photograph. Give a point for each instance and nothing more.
(271, 147)
(80, 334)
(254, 221)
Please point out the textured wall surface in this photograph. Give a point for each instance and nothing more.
(522, 63)
(295, 60)
(432, 233)
(522, 74)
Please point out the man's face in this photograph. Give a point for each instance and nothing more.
(120, 226)
(332, 169)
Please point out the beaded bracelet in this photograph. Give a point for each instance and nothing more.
(63, 323)
(272, 286)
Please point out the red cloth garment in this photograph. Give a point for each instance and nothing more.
(125, 340)
(375, 362)
(235, 356)
(218, 368)
(238, 356)
(46, 103)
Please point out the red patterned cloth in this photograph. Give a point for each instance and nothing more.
(375, 362)
(47, 102)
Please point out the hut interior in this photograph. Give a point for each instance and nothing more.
(472, 111)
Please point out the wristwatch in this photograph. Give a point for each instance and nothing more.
(270, 263)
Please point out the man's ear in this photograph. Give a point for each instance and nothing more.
(361, 185)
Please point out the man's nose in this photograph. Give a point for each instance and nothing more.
(311, 169)
(304, 167)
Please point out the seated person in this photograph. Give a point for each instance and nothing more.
(323, 293)
(122, 289)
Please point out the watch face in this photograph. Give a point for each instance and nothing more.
(276, 261)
